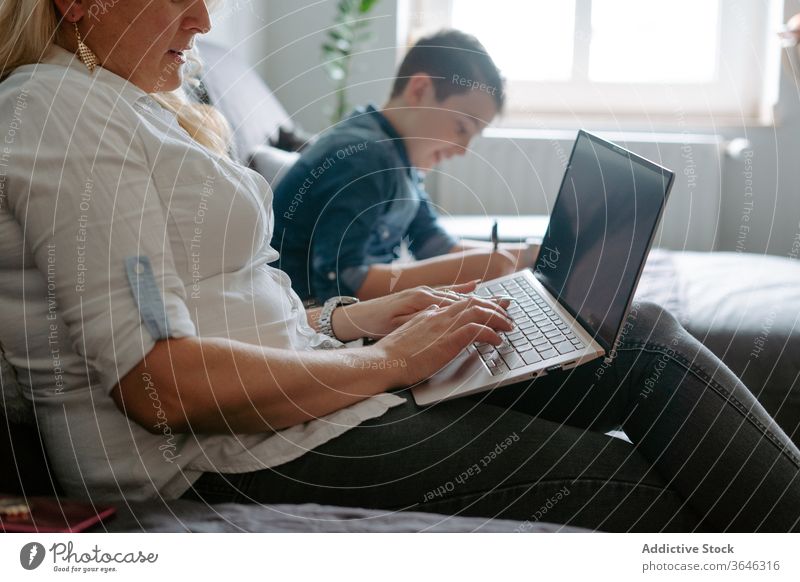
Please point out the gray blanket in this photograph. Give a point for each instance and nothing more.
(188, 516)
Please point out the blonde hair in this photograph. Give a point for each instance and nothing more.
(32, 26)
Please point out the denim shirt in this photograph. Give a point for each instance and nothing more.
(348, 203)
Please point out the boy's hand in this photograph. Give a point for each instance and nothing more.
(379, 317)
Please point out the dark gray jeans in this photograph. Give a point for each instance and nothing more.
(705, 455)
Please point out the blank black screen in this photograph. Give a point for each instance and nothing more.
(599, 234)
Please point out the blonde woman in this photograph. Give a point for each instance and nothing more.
(166, 358)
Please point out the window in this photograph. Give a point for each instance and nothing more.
(622, 58)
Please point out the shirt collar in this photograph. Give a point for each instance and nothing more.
(392, 134)
(124, 89)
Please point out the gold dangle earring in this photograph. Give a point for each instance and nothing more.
(85, 53)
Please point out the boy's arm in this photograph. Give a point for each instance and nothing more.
(448, 269)
(426, 236)
(431, 243)
(524, 254)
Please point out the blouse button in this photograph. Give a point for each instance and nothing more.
(385, 233)
(332, 276)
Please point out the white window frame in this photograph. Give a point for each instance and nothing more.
(743, 93)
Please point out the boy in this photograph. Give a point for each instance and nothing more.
(344, 208)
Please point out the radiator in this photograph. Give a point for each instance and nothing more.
(519, 172)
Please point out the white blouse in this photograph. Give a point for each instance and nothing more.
(94, 173)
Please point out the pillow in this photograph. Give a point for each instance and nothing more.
(242, 96)
(272, 163)
(292, 139)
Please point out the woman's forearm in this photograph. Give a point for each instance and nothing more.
(214, 385)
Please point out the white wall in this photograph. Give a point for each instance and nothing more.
(774, 221)
(282, 39)
(292, 62)
(240, 25)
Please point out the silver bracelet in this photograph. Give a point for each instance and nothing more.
(325, 322)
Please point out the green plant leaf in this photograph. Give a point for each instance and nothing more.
(366, 6)
(341, 32)
(342, 39)
(345, 6)
(335, 71)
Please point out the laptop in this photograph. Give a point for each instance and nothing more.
(570, 307)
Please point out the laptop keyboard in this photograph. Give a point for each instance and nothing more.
(538, 334)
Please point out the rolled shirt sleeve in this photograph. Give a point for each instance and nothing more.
(82, 190)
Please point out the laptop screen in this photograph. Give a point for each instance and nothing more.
(600, 230)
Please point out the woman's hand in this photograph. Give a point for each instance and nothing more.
(431, 339)
(378, 317)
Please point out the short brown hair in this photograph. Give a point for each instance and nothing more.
(457, 62)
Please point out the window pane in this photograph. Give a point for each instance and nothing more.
(529, 41)
(643, 42)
